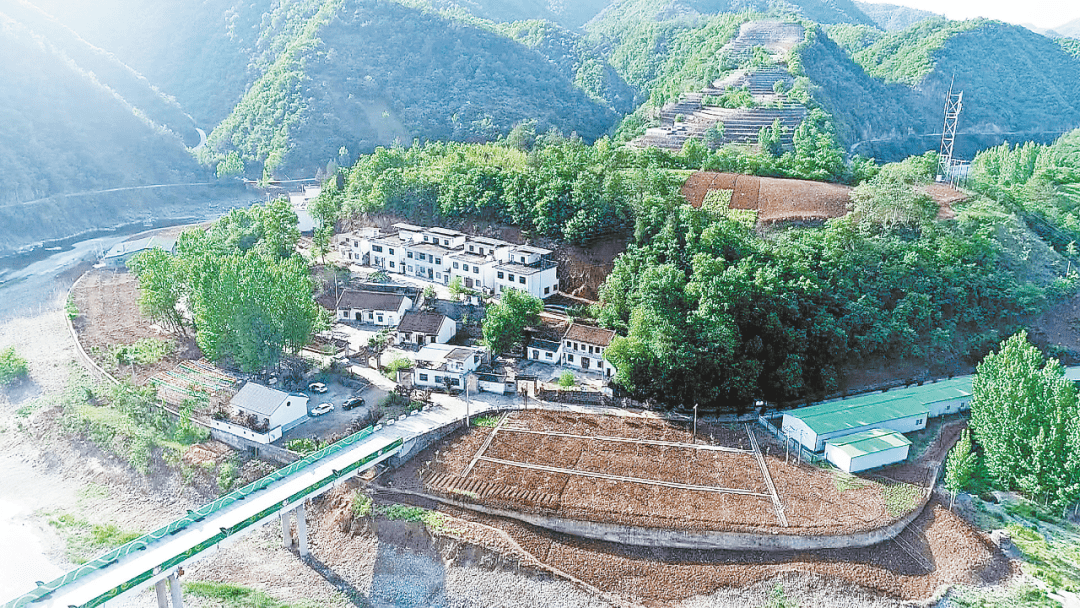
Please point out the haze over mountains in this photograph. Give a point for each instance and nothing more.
(112, 94)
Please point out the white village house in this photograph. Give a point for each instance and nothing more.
(373, 307)
(583, 347)
(426, 327)
(261, 406)
(435, 363)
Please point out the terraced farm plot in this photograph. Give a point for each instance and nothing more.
(648, 472)
(773, 199)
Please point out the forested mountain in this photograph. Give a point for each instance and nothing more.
(570, 15)
(362, 73)
(621, 13)
(893, 17)
(63, 130)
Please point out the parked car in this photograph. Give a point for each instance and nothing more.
(322, 408)
(351, 403)
(317, 387)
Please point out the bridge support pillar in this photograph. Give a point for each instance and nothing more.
(301, 529)
(162, 599)
(177, 596)
(286, 532)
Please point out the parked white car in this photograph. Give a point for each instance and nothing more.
(317, 387)
(322, 408)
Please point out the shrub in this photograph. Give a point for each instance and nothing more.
(567, 379)
(12, 366)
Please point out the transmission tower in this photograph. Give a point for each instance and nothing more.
(954, 102)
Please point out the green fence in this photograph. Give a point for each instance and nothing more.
(197, 515)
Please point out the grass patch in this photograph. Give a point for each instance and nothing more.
(901, 498)
(85, 541)
(436, 522)
(361, 506)
(1048, 558)
(12, 366)
(391, 370)
(1028, 596)
(235, 596)
(847, 481)
(486, 421)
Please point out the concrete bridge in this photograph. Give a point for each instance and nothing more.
(156, 557)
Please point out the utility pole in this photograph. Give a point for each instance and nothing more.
(953, 104)
(695, 424)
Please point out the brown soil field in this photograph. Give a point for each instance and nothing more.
(108, 303)
(815, 500)
(938, 548)
(945, 196)
(774, 199)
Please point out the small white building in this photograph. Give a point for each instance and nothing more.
(300, 202)
(527, 269)
(373, 307)
(902, 410)
(120, 253)
(355, 246)
(547, 351)
(436, 363)
(270, 407)
(388, 252)
(584, 346)
(426, 327)
(867, 449)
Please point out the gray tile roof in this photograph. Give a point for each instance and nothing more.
(258, 399)
(369, 300)
(425, 322)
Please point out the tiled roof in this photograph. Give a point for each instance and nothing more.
(425, 322)
(258, 399)
(369, 300)
(588, 334)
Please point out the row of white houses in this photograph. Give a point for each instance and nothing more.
(439, 255)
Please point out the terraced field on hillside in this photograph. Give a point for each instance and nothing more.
(690, 118)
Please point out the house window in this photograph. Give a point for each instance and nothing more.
(391, 263)
(547, 355)
(522, 259)
(455, 266)
(438, 379)
(391, 251)
(535, 354)
(438, 275)
(500, 274)
(568, 343)
(379, 319)
(410, 268)
(470, 247)
(446, 242)
(481, 251)
(510, 277)
(425, 238)
(476, 269)
(423, 377)
(521, 280)
(546, 290)
(377, 248)
(919, 421)
(423, 257)
(457, 382)
(570, 358)
(438, 261)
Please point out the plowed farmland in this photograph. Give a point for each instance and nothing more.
(648, 472)
(774, 199)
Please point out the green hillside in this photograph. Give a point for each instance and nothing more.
(621, 13)
(360, 74)
(892, 17)
(567, 14)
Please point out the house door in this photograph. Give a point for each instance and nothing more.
(468, 283)
(430, 273)
(358, 317)
(585, 363)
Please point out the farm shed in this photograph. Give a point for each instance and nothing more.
(426, 327)
(271, 407)
(902, 410)
(867, 450)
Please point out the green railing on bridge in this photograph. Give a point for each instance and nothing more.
(111, 557)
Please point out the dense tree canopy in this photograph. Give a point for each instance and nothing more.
(1025, 416)
(504, 322)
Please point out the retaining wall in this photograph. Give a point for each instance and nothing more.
(689, 539)
(264, 451)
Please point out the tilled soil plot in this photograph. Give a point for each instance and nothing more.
(630, 427)
(108, 303)
(774, 199)
(813, 499)
(954, 552)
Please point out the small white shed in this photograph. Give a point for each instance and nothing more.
(867, 450)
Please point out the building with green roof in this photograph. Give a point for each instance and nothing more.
(867, 450)
(901, 410)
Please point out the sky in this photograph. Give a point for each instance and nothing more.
(1041, 13)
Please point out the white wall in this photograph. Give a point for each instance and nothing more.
(295, 408)
(240, 431)
(867, 461)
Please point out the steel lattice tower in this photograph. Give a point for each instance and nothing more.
(954, 102)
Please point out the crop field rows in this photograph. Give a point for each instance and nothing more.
(649, 472)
